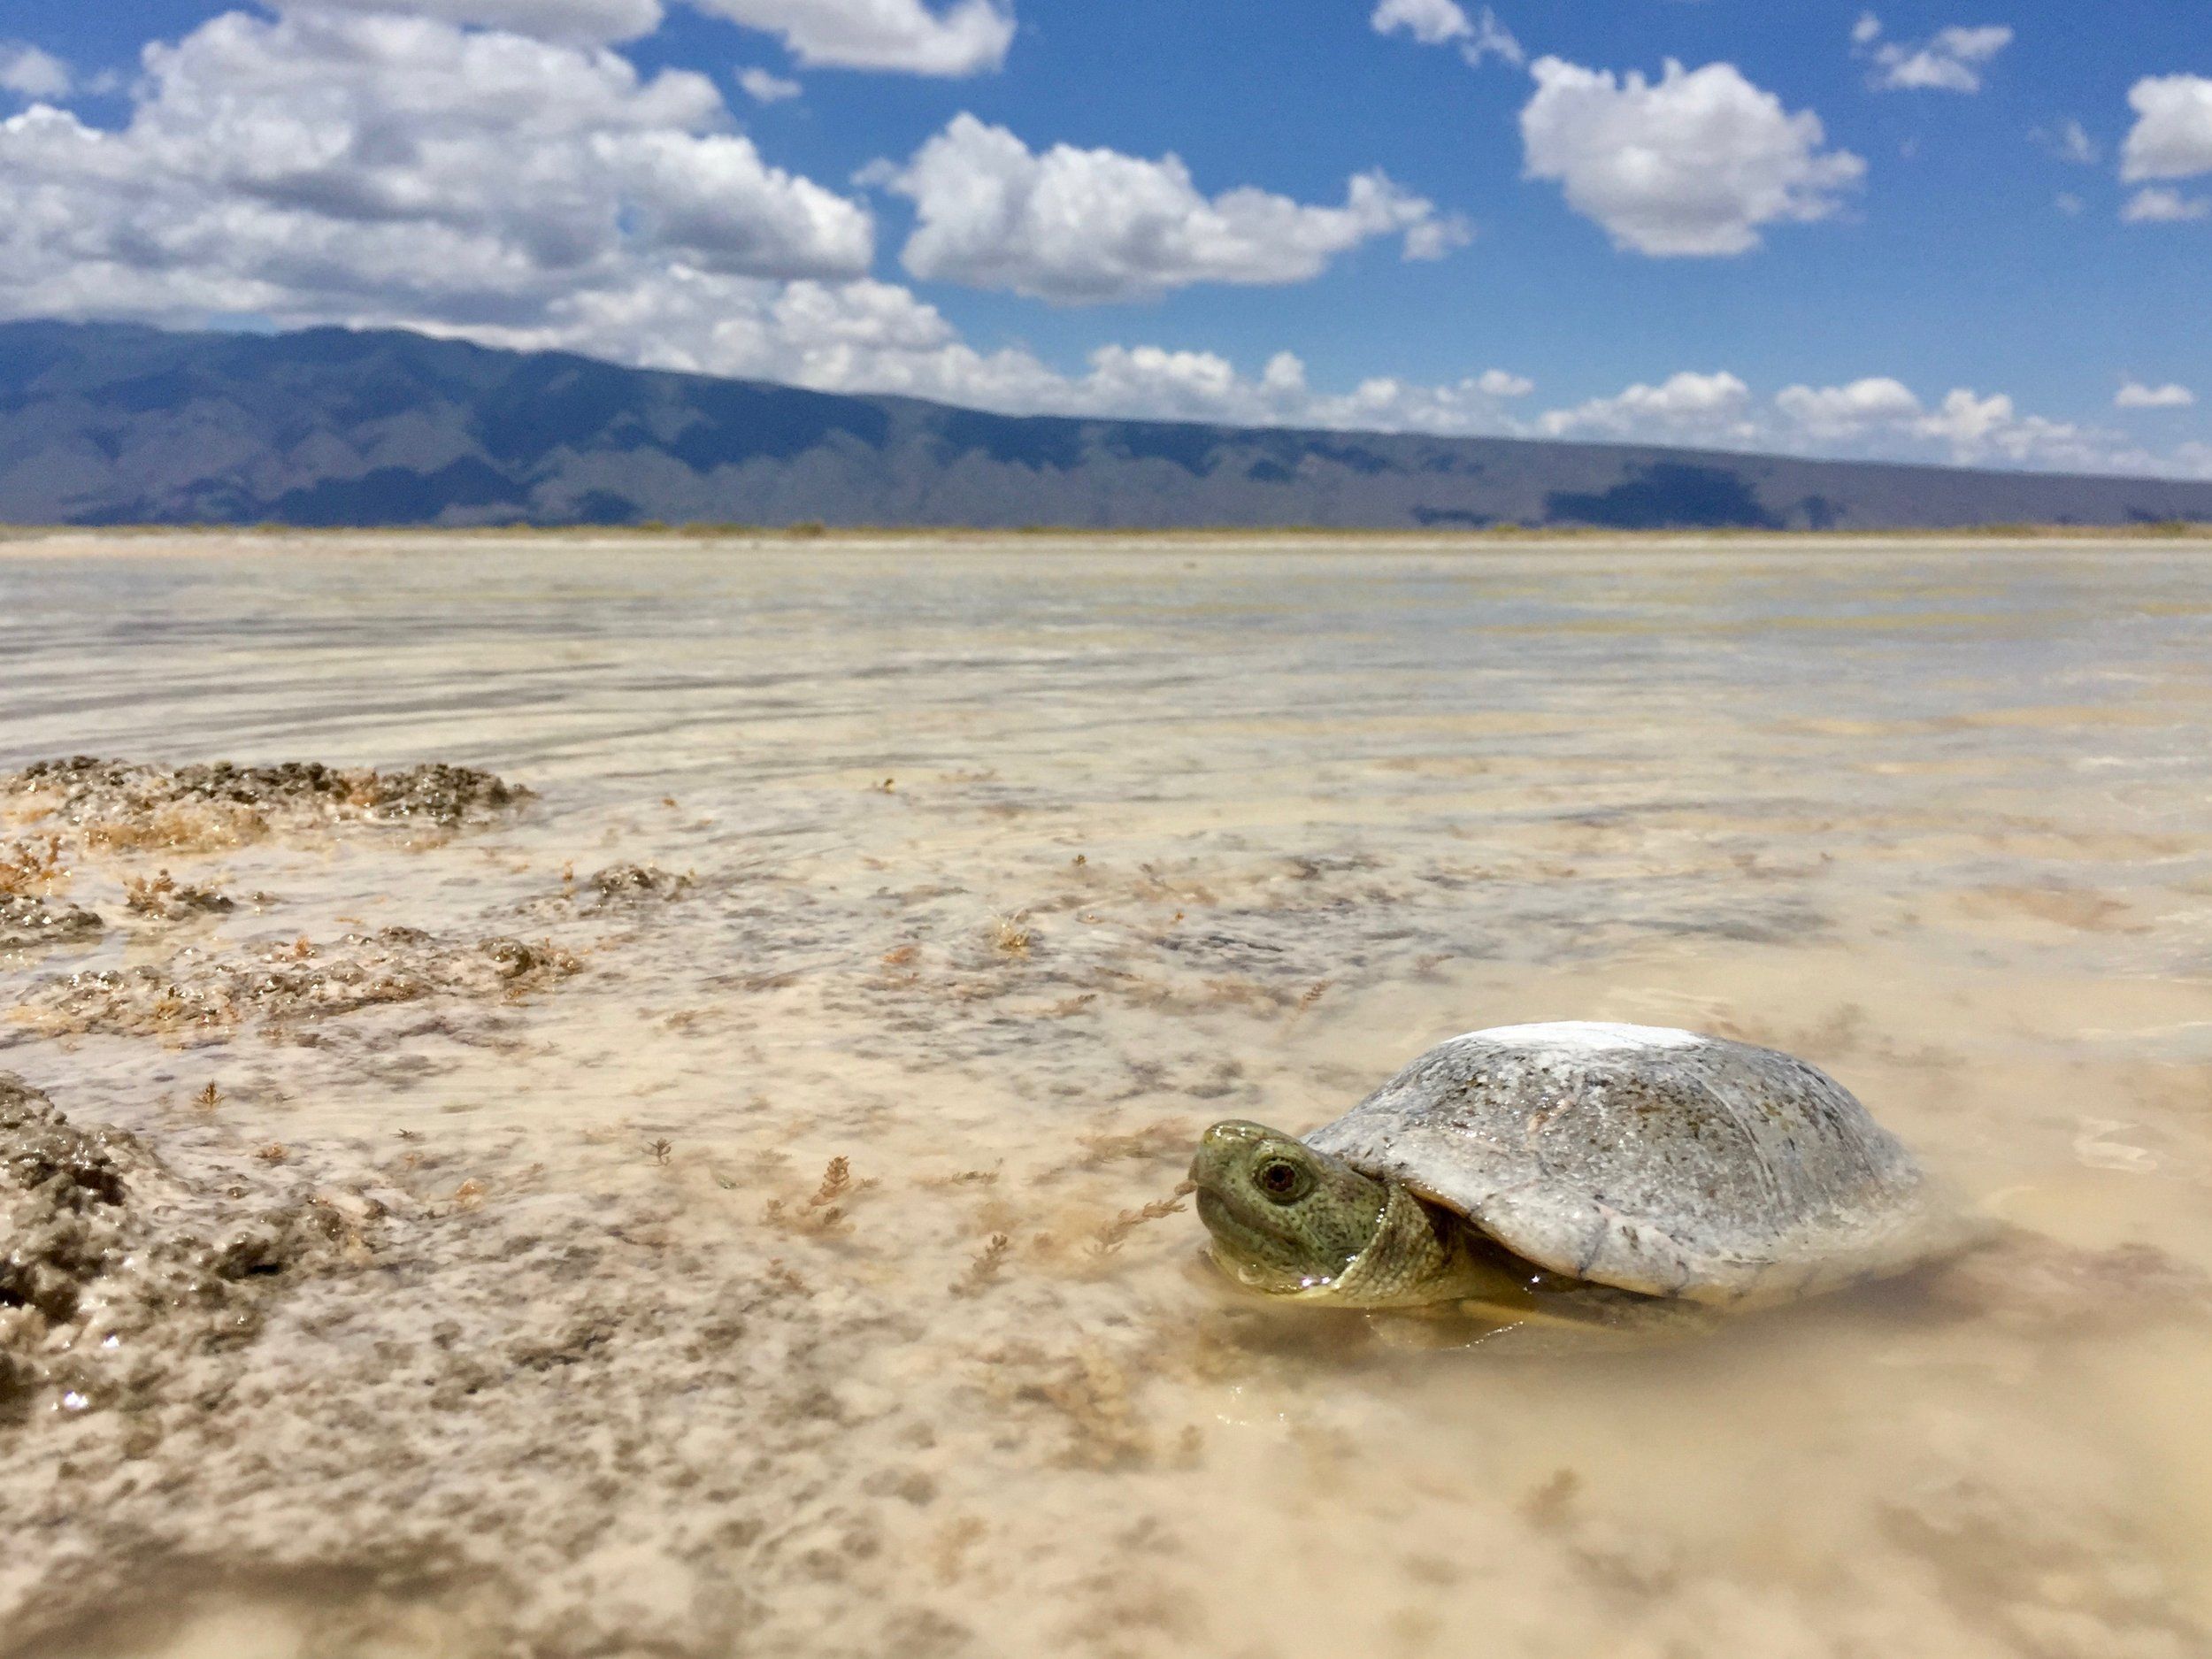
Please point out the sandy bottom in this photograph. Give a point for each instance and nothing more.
(784, 1260)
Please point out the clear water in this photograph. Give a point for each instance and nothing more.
(1015, 865)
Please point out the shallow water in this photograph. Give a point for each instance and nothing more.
(1013, 867)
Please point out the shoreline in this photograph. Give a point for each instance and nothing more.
(139, 541)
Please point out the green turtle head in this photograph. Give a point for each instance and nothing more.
(1284, 1218)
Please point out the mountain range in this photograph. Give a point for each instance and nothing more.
(104, 424)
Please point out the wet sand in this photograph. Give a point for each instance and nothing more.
(780, 1262)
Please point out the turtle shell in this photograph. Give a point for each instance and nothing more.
(1652, 1160)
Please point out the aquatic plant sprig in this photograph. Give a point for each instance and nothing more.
(1109, 1237)
(33, 867)
(822, 1211)
(986, 1267)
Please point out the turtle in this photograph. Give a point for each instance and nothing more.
(1534, 1167)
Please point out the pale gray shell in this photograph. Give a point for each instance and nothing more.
(1653, 1160)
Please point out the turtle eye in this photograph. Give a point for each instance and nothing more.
(1280, 1179)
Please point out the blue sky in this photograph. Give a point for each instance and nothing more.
(1979, 234)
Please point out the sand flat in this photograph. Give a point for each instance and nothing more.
(798, 1274)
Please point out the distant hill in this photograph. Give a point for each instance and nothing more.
(112, 424)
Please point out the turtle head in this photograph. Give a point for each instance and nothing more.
(1284, 1218)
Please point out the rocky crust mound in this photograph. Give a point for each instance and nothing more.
(123, 804)
(284, 989)
(28, 922)
(116, 1273)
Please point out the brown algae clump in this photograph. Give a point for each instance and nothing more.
(127, 806)
(31, 873)
(1012, 936)
(165, 899)
(33, 867)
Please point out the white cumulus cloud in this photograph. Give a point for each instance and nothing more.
(1430, 22)
(965, 38)
(1964, 429)
(381, 167)
(2135, 395)
(2158, 205)
(2069, 141)
(1952, 60)
(1882, 419)
(550, 19)
(712, 198)
(1154, 381)
(1685, 408)
(30, 72)
(1693, 164)
(855, 336)
(869, 336)
(1831, 412)
(1442, 23)
(1876, 418)
(2172, 135)
(763, 87)
(1992, 427)
(1084, 225)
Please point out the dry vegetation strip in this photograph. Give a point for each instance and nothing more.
(815, 530)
